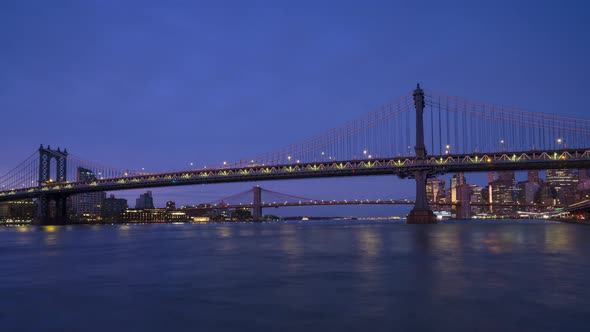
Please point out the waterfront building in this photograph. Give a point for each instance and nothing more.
(4, 210)
(112, 208)
(24, 210)
(153, 216)
(170, 205)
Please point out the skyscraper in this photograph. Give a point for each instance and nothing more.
(533, 176)
(502, 190)
(435, 190)
(456, 181)
(87, 206)
(507, 178)
(476, 197)
(565, 183)
(490, 177)
(145, 201)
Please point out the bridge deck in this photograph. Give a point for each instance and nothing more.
(400, 166)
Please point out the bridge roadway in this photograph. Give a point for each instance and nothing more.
(403, 167)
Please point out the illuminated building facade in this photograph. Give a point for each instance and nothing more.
(25, 210)
(153, 216)
(476, 197)
(435, 191)
(456, 181)
(565, 184)
(502, 190)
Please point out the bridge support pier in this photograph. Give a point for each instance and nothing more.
(257, 204)
(52, 210)
(421, 213)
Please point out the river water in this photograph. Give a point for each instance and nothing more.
(296, 276)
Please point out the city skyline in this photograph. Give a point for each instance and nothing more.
(513, 184)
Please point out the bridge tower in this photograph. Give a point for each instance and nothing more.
(421, 214)
(52, 209)
(45, 157)
(257, 203)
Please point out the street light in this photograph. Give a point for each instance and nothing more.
(559, 142)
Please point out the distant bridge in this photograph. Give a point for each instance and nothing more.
(258, 198)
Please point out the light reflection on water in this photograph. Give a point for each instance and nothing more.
(314, 276)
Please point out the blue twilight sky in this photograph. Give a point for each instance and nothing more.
(161, 84)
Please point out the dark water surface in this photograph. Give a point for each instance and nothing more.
(312, 276)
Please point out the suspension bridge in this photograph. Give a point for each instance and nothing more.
(257, 198)
(463, 136)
